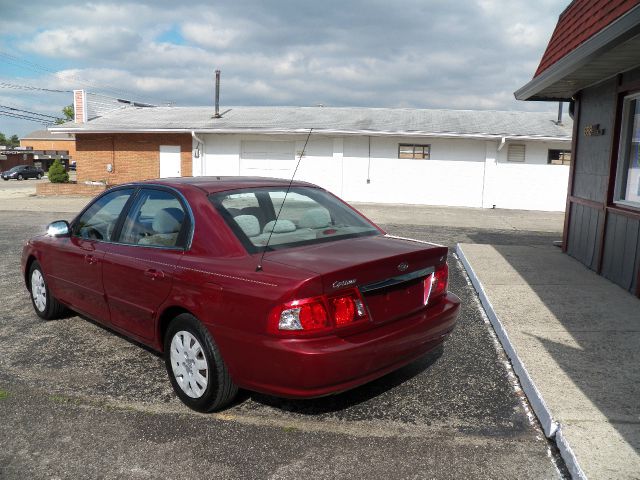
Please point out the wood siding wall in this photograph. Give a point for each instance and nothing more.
(602, 235)
(622, 251)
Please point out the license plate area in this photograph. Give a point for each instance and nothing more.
(395, 297)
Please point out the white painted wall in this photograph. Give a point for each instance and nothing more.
(461, 172)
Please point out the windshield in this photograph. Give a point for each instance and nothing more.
(15, 169)
(308, 216)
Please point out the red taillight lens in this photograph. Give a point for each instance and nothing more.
(440, 281)
(435, 285)
(317, 314)
(313, 316)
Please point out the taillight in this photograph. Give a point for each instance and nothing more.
(440, 281)
(317, 314)
(435, 285)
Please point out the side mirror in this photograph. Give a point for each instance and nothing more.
(58, 229)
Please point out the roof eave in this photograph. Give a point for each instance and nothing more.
(621, 30)
(372, 133)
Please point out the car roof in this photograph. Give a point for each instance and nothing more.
(219, 184)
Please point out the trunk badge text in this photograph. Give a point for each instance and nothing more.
(343, 283)
(403, 266)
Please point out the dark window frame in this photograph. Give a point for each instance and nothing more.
(425, 155)
(625, 146)
(560, 154)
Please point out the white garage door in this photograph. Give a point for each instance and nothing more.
(268, 158)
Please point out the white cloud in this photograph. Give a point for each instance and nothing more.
(83, 43)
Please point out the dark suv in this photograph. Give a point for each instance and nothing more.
(22, 172)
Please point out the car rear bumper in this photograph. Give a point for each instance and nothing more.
(315, 367)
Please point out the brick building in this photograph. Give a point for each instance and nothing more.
(126, 157)
(46, 140)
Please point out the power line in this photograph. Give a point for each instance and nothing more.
(22, 63)
(42, 121)
(28, 112)
(30, 87)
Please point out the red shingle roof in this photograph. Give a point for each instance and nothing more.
(580, 21)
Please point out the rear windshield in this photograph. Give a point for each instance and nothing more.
(308, 216)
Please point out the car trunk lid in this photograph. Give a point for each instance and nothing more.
(389, 271)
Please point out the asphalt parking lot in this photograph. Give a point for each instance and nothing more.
(77, 400)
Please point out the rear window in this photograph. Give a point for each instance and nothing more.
(307, 216)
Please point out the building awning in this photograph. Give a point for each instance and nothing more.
(614, 49)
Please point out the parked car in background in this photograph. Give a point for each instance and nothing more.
(23, 172)
(246, 282)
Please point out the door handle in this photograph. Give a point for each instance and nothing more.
(153, 274)
(90, 259)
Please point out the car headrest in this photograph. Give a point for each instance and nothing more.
(168, 220)
(279, 226)
(249, 224)
(315, 218)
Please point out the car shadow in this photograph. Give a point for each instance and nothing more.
(348, 399)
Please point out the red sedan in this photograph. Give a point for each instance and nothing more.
(246, 282)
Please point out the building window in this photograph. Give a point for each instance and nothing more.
(515, 153)
(408, 150)
(559, 157)
(628, 171)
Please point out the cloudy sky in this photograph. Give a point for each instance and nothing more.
(462, 54)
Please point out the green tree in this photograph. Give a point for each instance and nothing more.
(68, 114)
(57, 173)
(10, 142)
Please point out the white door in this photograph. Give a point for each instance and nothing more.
(170, 161)
(267, 158)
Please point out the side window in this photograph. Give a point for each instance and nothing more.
(98, 222)
(155, 219)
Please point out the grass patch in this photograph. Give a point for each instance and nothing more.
(3, 394)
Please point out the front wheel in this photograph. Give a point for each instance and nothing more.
(20, 177)
(195, 367)
(45, 305)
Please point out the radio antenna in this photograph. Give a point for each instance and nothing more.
(259, 267)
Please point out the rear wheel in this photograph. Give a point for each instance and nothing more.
(39, 176)
(195, 367)
(45, 305)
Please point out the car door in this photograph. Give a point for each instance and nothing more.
(76, 265)
(139, 270)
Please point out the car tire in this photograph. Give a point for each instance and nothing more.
(20, 177)
(5, 179)
(39, 176)
(206, 392)
(45, 304)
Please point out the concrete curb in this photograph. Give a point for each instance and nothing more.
(551, 428)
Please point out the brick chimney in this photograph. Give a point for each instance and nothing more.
(80, 106)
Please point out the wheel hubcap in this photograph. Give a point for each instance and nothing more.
(189, 364)
(38, 290)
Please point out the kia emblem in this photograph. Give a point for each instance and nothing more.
(403, 266)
